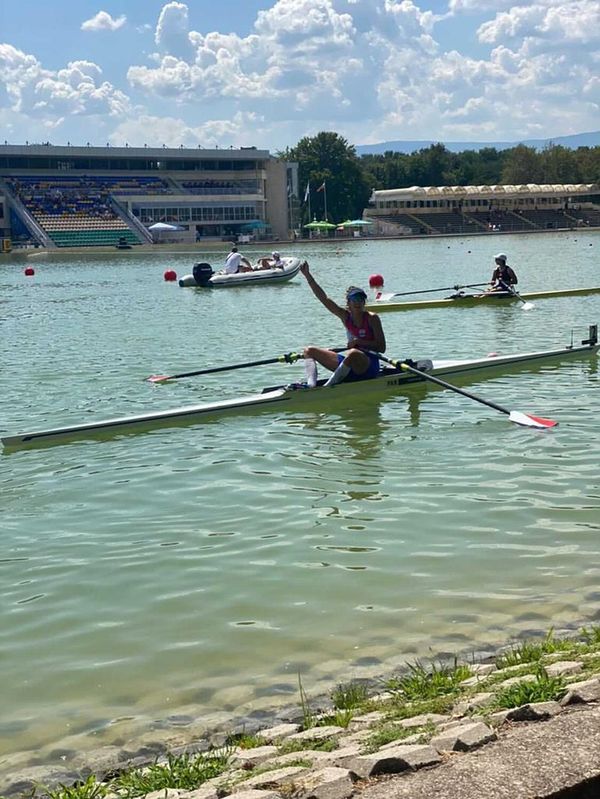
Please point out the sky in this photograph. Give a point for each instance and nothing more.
(265, 73)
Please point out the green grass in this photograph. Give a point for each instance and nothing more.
(592, 635)
(245, 740)
(325, 745)
(185, 772)
(542, 689)
(533, 651)
(349, 695)
(392, 732)
(90, 789)
(423, 683)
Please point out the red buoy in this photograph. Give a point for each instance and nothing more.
(29, 271)
(170, 275)
(376, 282)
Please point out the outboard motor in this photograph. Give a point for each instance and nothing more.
(202, 274)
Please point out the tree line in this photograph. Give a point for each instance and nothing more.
(329, 159)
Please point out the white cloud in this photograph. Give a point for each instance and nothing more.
(103, 22)
(76, 89)
(372, 70)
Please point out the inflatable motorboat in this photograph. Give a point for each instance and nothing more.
(203, 275)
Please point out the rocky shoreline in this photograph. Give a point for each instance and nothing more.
(308, 755)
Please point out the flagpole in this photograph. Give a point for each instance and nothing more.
(325, 199)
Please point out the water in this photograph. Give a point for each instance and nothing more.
(155, 579)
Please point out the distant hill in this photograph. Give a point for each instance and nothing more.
(573, 142)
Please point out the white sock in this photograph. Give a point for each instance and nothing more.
(310, 367)
(340, 373)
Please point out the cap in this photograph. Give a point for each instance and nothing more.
(275, 254)
(500, 257)
(355, 293)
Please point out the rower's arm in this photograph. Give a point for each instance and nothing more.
(320, 294)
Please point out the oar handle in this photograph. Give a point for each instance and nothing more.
(425, 375)
(443, 288)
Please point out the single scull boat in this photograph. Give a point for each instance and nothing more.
(475, 300)
(390, 381)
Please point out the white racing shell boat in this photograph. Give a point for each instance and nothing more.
(390, 381)
(204, 277)
(486, 299)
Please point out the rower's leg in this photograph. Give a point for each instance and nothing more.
(310, 367)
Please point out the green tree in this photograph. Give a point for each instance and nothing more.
(559, 165)
(522, 165)
(328, 158)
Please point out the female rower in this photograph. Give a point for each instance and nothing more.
(364, 332)
(503, 277)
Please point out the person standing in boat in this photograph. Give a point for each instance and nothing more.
(504, 276)
(364, 332)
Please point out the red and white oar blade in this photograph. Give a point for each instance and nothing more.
(527, 420)
(157, 378)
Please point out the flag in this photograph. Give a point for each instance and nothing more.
(321, 187)
(307, 192)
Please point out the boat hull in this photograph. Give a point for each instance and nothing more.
(477, 300)
(390, 381)
(254, 278)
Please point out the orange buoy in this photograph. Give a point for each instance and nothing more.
(170, 275)
(29, 271)
(376, 281)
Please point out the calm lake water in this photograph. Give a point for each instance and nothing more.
(155, 579)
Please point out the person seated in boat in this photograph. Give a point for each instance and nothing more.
(274, 262)
(503, 277)
(236, 262)
(364, 332)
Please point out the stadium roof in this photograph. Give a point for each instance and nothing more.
(496, 191)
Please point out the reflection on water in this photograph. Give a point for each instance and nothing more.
(159, 579)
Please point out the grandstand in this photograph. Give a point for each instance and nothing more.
(103, 196)
(445, 210)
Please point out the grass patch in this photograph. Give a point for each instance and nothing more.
(325, 745)
(542, 689)
(90, 789)
(591, 635)
(349, 696)
(341, 718)
(185, 772)
(405, 710)
(532, 651)
(245, 740)
(423, 683)
(392, 732)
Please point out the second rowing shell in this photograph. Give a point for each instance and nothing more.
(475, 300)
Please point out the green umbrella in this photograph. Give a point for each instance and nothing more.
(320, 225)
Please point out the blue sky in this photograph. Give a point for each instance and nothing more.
(267, 72)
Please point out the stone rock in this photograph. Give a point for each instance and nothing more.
(482, 669)
(563, 668)
(256, 794)
(367, 720)
(317, 733)
(422, 720)
(278, 733)
(534, 711)
(327, 783)
(517, 680)
(203, 792)
(271, 779)
(392, 761)
(312, 756)
(28, 780)
(166, 793)
(476, 701)
(254, 756)
(463, 738)
(98, 761)
(498, 718)
(584, 691)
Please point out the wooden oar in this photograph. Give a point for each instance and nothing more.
(429, 291)
(288, 357)
(517, 417)
(527, 306)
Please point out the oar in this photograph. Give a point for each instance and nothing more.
(288, 357)
(517, 417)
(527, 306)
(429, 291)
